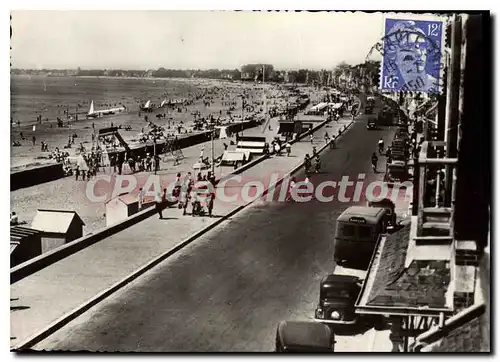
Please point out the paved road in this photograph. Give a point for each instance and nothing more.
(228, 291)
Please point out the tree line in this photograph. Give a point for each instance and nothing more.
(366, 73)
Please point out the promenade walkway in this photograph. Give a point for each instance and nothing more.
(42, 298)
(69, 194)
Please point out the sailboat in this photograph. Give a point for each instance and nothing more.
(147, 107)
(99, 113)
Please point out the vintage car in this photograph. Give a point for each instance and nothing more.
(357, 231)
(304, 337)
(337, 296)
(402, 133)
(371, 124)
(390, 207)
(397, 171)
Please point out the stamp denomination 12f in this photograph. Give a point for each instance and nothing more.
(412, 55)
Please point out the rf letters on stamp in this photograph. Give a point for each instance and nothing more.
(412, 56)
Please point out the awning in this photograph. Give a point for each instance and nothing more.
(250, 144)
(286, 127)
(232, 156)
(247, 152)
(395, 287)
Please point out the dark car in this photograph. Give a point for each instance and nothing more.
(396, 172)
(304, 337)
(389, 206)
(337, 296)
(371, 124)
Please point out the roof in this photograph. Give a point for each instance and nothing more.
(232, 156)
(17, 233)
(309, 118)
(384, 202)
(54, 221)
(397, 164)
(251, 144)
(468, 331)
(423, 285)
(371, 214)
(251, 139)
(126, 198)
(302, 333)
(335, 278)
(13, 246)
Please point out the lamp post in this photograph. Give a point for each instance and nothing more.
(213, 158)
(242, 112)
(154, 152)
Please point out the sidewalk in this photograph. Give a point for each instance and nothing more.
(53, 292)
(68, 194)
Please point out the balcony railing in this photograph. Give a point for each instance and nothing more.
(435, 215)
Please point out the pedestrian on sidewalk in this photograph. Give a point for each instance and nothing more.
(277, 149)
(157, 163)
(332, 143)
(326, 137)
(159, 205)
(307, 163)
(317, 164)
(291, 187)
(142, 194)
(311, 137)
(210, 203)
(176, 158)
(195, 202)
(201, 153)
(288, 147)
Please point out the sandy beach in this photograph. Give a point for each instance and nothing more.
(53, 97)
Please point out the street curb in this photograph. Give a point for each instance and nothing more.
(61, 322)
(42, 261)
(299, 166)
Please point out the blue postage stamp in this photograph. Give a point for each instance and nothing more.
(412, 55)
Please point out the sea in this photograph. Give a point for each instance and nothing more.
(52, 97)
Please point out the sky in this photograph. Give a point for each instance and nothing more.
(190, 39)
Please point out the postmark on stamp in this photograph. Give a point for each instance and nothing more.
(412, 52)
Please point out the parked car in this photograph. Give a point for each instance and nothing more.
(337, 296)
(389, 206)
(397, 171)
(304, 337)
(371, 124)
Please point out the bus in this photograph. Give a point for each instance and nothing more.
(358, 230)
